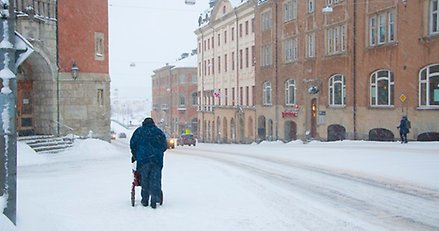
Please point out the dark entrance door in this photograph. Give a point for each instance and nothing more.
(25, 121)
(313, 118)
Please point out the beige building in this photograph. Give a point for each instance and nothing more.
(226, 71)
(339, 69)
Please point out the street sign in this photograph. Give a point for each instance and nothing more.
(23, 49)
(402, 98)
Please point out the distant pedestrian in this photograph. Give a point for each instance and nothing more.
(148, 145)
(404, 128)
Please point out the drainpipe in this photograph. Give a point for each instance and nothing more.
(57, 73)
(276, 107)
(237, 76)
(354, 68)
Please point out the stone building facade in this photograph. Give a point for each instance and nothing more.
(66, 36)
(226, 70)
(349, 71)
(174, 96)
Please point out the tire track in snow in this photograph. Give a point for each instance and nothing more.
(385, 206)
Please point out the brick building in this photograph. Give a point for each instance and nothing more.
(226, 71)
(68, 37)
(349, 71)
(174, 96)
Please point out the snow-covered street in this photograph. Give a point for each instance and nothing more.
(269, 186)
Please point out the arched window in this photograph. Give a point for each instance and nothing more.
(429, 86)
(266, 97)
(337, 90)
(290, 92)
(382, 88)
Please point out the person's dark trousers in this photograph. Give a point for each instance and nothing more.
(151, 180)
(155, 184)
(403, 137)
(145, 172)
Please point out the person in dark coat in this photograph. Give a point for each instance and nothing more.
(404, 129)
(148, 144)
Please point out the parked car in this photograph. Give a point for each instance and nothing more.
(170, 141)
(113, 135)
(122, 135)
(186, 139)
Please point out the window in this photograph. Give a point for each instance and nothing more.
(219, 40)
(290, 92)
(434, 17)
(310, 45)
(381, 88)
(246, 57)
(266, 96)
(247, 95)
(233, 61)
(336, 40)
(99, 46)
(246, 27)
(290, 50)
(194, 78)
(429, 86)
(266, 20)
(382, 28)
(290, 10)
(194, 98)
(181, 79)
(219, 64)
(233, 33)
(100, 97)
(240, 30)
(253, 56)
(337, 90)
(225, 63)
(266, 59)
(310, 6)
(182, 101)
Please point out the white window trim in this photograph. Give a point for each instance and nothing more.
(331, 97)
(267, 93)
(310, 45)
(428, 75)
(431, 18)
(290, 84)
(375, 85)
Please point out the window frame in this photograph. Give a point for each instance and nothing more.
(337, 79)
(374, 88)
(433, 14)
(290, 98)
(267, 93)
(425, 95)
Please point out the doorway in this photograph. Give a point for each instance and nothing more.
(313, 118)
(25, 117)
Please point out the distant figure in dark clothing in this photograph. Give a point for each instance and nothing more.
(404, 126)
(148, 144)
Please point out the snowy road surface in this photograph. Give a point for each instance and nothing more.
(270, 186)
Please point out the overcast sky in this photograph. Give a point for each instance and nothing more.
(148, 34)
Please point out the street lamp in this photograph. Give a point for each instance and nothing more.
(75, 71)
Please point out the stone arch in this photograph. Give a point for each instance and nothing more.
(336, 132)
(241, 132)
(218, 129)
(233, 129)
(262, 132)
(225, 131)
(381, 134)
(290, 131)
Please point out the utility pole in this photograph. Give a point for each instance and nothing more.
(8, 93)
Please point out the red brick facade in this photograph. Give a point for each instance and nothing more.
(78, 21)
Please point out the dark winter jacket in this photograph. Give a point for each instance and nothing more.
(148, 143)
(404, 126)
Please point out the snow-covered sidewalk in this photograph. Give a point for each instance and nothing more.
(88, 186)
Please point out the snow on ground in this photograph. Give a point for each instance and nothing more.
(87, 187)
